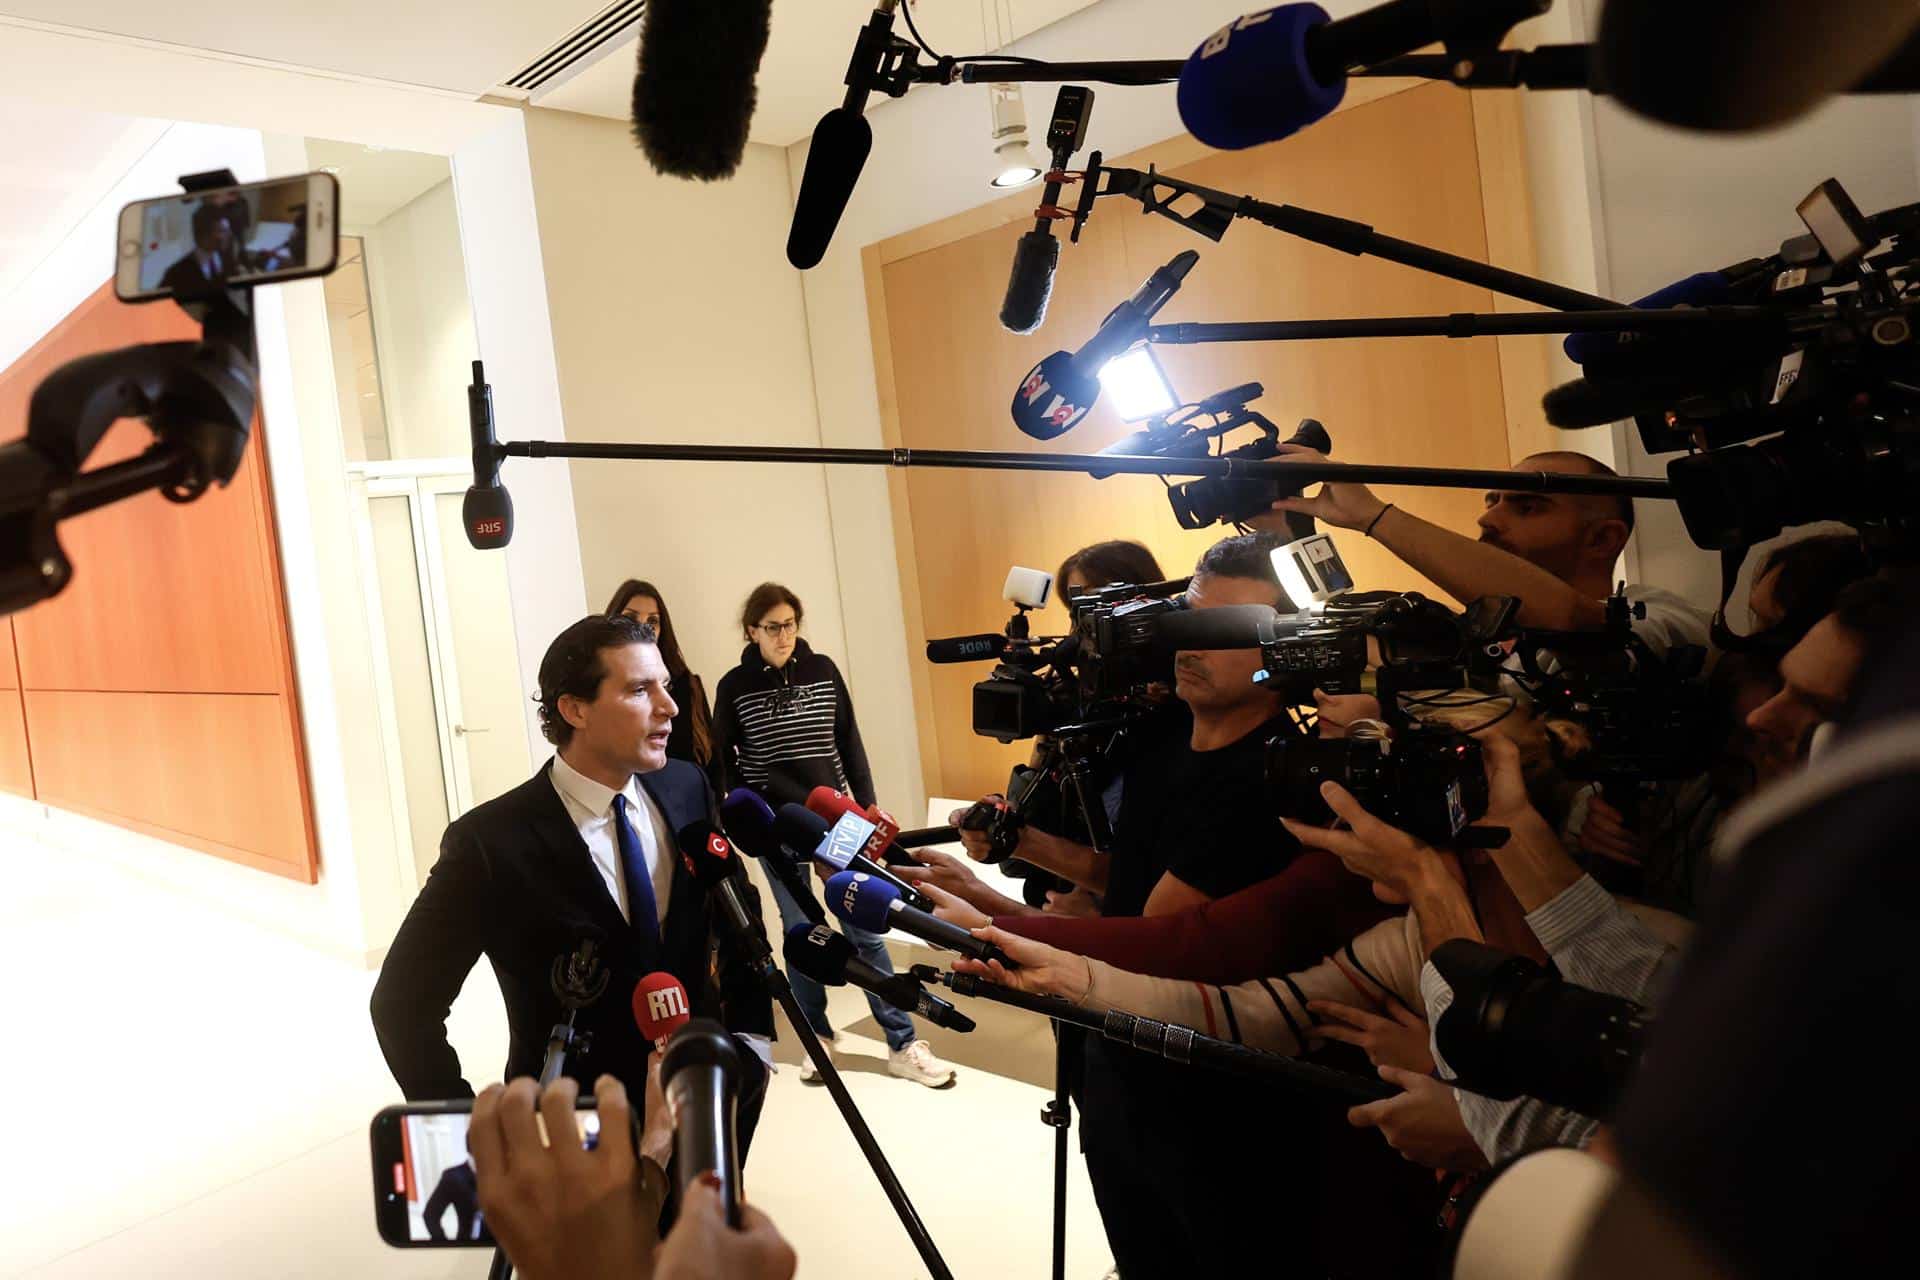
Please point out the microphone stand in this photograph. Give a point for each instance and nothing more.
(760, 956)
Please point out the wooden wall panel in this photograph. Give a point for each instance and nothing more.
(1407, 162)
(145, 761)
(172, 608)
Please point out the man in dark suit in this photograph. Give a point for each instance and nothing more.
(584, 849)
(457, 1190)
(214, 256)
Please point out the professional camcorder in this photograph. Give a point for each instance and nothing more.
(1426, 779)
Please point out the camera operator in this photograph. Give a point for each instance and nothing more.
(1818, 674)
(562, 1212)
(1554, 552)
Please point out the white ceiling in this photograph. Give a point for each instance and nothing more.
(472, 47)
(376, 183)
(55, 165)
(801, 75)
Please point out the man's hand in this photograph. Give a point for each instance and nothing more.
(954, 910)
(1423, 1124)
(1507, 802)
(1080, 903)
(560, 1211)
(1043, 971)
(977, 844)
(1334, 712)
(1398, 1040)
(943, 871)
(1606, 833)
(702, 1246)
(1386, 855)
(1347, 506)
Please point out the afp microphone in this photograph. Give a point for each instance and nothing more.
(693, 91)
(875, 905)
(829, 959)
(487, 512)
(700, 1075)
(1061, 389)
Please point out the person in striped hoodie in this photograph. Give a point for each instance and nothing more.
(783, 724)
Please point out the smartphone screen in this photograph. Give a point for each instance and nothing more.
(424, 1191)
(253, 234)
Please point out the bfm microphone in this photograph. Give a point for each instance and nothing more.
(874, 905)
(1270, 74)
(1030, 283)
(660, 1006)
(977, 648)
(882, 846)
(1061, 389)
(828, 959)
(838, 151)
(693, 91)
(487, 511)
(700, 1075)
(809, 836)
(749, 820)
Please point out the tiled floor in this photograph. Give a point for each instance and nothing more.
(189, 1096)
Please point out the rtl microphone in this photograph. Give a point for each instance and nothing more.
(749, 820)
(693, 92)
(1030, 283)
(660, 1006)
(829, 959)
(1062, 389)
(840, 846)
(487, 511)
(875, 905)
(838, 151)
(700, 1075)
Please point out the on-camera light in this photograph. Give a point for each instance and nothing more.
(1138, 385)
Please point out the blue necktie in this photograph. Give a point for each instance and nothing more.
(641, 907)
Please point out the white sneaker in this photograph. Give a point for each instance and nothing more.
(810, 1074)
(917, 1063)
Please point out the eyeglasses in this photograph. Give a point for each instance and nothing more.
(777, 629)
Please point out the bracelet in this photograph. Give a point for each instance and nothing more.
(1376, 520)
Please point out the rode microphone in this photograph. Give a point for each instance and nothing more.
(1037, 253)
(487, 511)
(660, 1006)
(700, 1075)
(829, 959)
(839, 148)
(1062, 389)
(749, 820)
(693, 92)
(882, 846)
(977, 648)
(1268, 75)
(875, 905)
(840, 846)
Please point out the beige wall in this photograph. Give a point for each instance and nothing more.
(677, 319)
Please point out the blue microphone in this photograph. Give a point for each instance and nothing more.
(748, 821)
(1253, 81)
(875, 905)
(1702, 289)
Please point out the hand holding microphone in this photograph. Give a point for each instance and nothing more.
(1031, 967)
(875, 906)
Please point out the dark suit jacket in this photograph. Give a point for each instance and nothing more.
(515, 883)
(457, 1189)
(185, 277)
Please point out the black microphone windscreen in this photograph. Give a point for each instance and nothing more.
(800, 829)
(819, 952)
(1030, 283)
(693, 92)
(1313, 435)
(487, 513)
(835, 157)
(1586, 403)
(707, 853)
(966, 648)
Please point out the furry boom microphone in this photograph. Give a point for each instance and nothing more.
(693, 93)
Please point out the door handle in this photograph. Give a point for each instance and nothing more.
(461, 730)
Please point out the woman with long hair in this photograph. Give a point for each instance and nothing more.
(692, 738)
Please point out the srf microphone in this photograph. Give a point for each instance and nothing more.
(838, 151)
(693, 91)
(875, 905)
(1037, 253)
(829, 959)
(660, 1006)
(700, 1075)
(749, 820)
(487, 511)
(1061, 389)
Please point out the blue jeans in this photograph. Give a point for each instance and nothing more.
(813, 997)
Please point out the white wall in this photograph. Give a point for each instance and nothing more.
(423, 325)
(677, 319)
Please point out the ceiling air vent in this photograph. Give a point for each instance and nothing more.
(580, 49)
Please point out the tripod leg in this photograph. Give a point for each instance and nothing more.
(869, 1146)
(1058, 1115)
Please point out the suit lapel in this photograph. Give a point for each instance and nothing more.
(683, 901)
(572, 863)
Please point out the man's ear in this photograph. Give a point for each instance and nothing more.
(572, 710)
(1608, 537)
